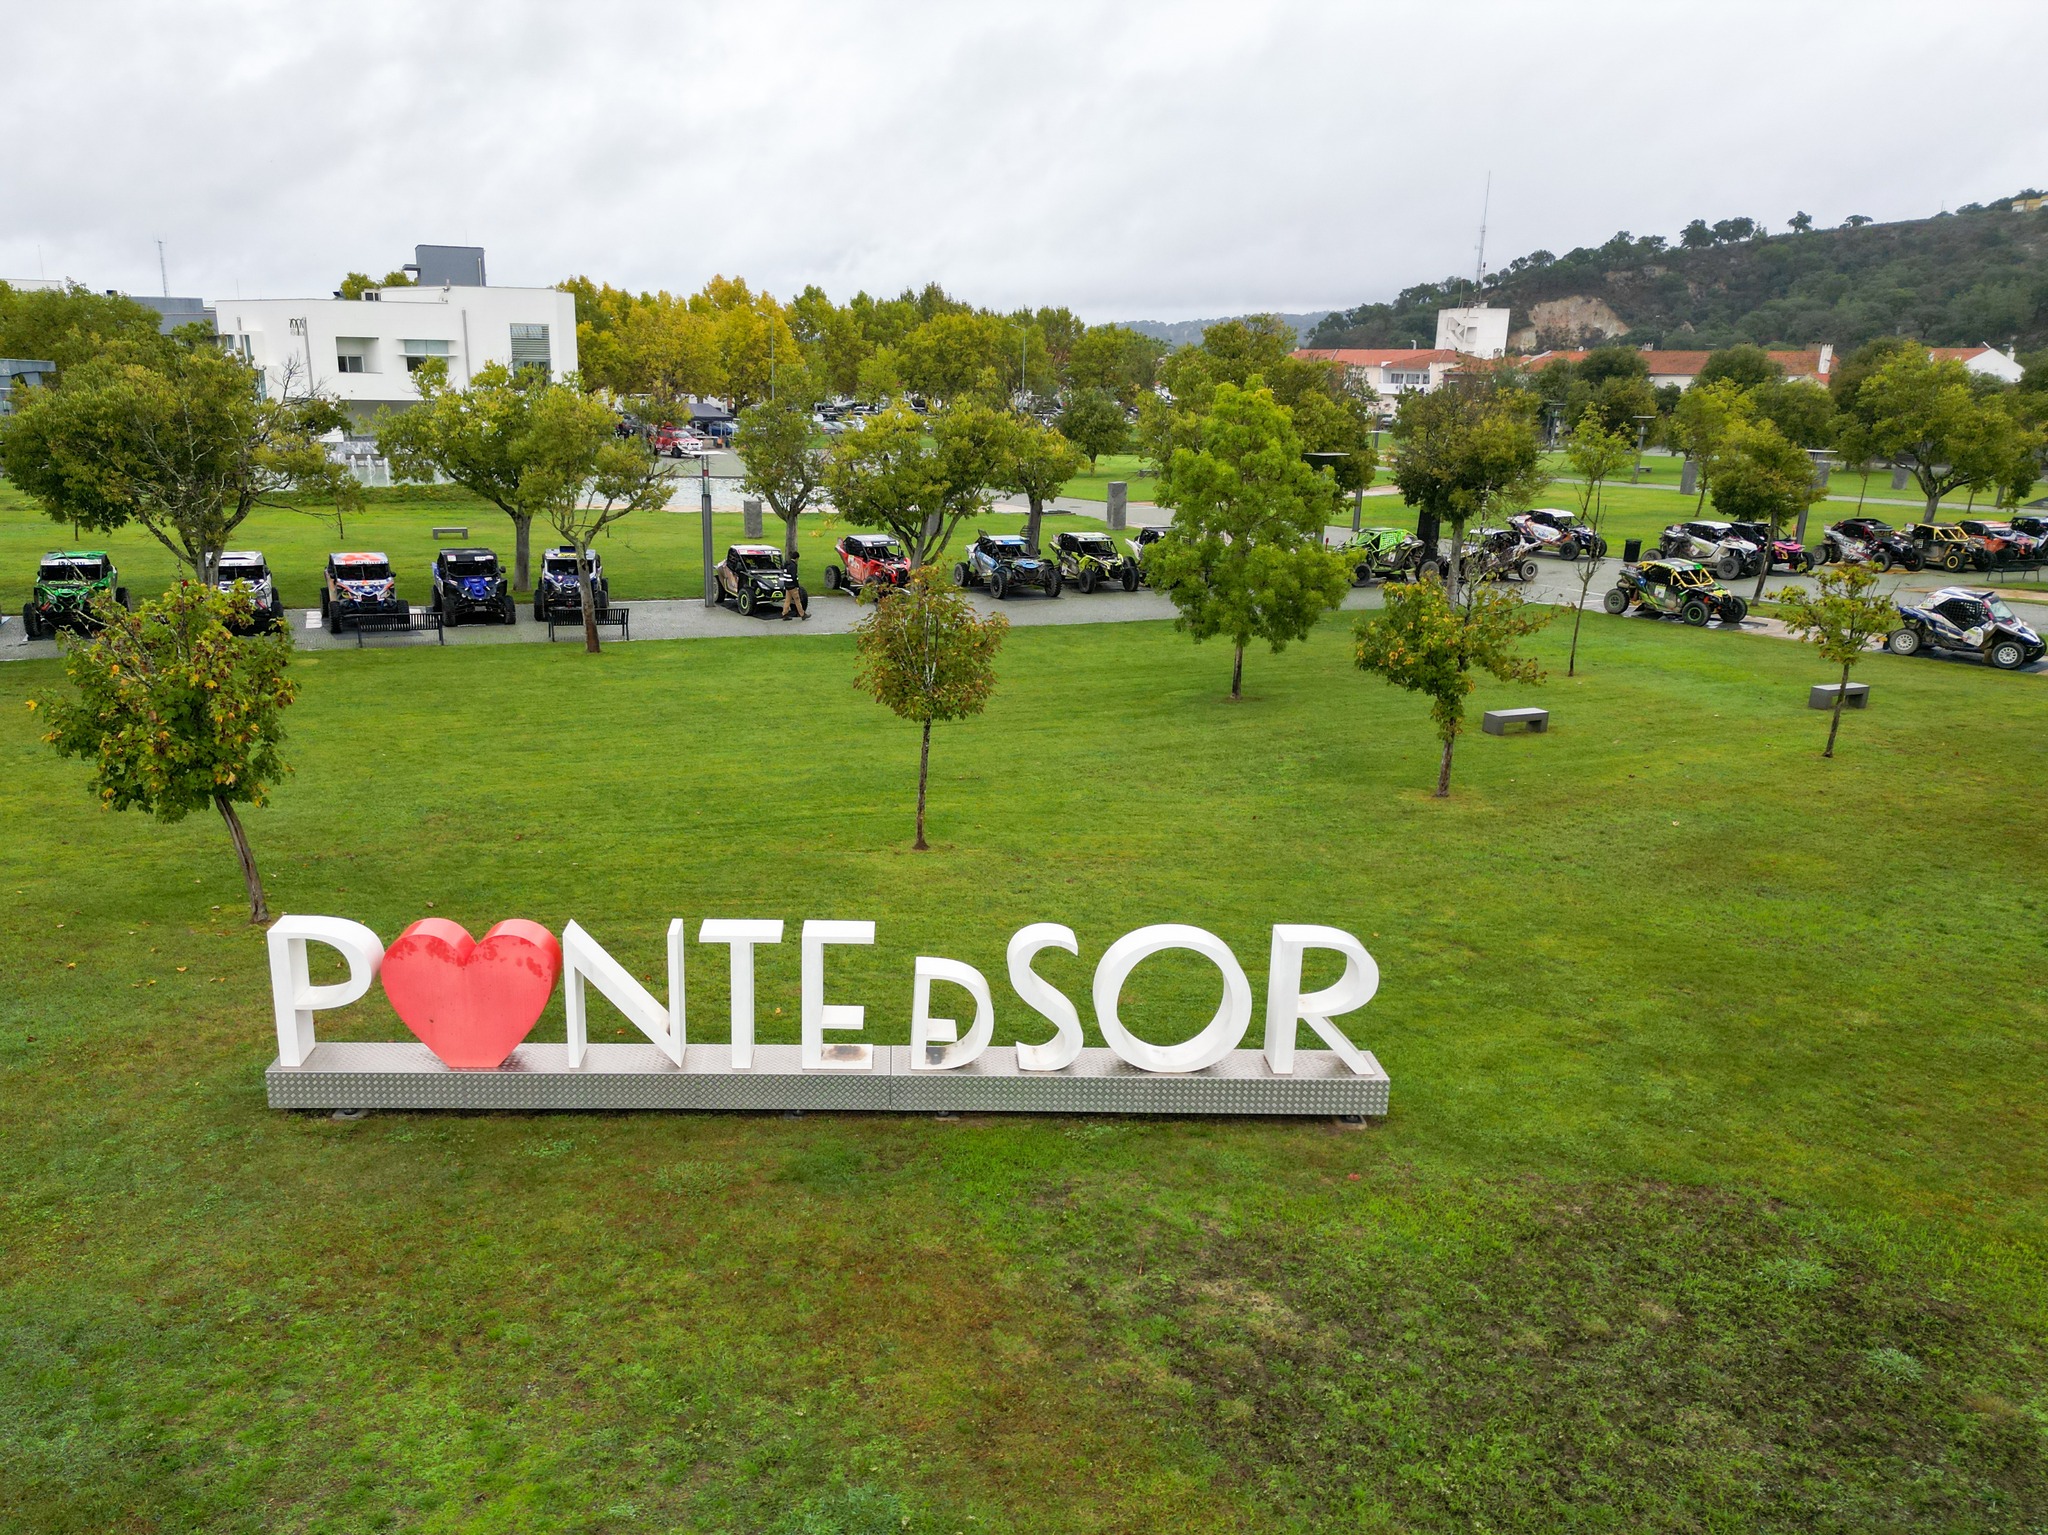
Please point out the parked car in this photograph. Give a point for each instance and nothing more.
(753, 577)
(247, 567)
(356, 587)
(67, 582)
(1382, 554)
(1948, 546)
(1498, 554)
(468, 584)
(1714, 544)
(1090, 560)
(1872, 540)
(1138, 543)
(2005, 543)
(872, 559)
(1969, 622)
(1558, 532)
(1002, 562)
(1788, 552)
(556, 593)
(1674, 589)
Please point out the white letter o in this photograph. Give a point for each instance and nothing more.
(1221, 1037)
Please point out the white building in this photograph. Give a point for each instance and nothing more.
(1389, 372)
(1988, 360)
(363, 352)
(1477, 332)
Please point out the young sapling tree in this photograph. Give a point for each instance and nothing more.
(1842, 618)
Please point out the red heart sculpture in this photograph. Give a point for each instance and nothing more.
(471, 1003)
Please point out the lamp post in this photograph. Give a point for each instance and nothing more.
(1642, 431)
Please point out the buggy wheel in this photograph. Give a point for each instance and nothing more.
(1130, 578)
(540, 614)
(2006, 655)
(1952, 560)
(1734, 611)
(1728, 566)
(1881, 561)
(746, 599)
(450, 616)
(1905, 642)
(1088, 581)
(1526, 571)
(1695, 612)
(121, 596)
(960, 574)
(1053, 586)
(1615, 602)
(1914, 560)
(998, 584)
(832, 578)
(29, 626)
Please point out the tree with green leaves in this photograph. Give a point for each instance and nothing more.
(1843, 617)
(1094, 421)
(1926, 416)
(1745, 366)
(70, 324)
(1804, 411)
(1427, 643)
(356, 284)
(180, 440)
(1701, 420)
(783, 459)
(927, 655)
(585, 478)
(176, 713)
(918, 478)
(1035, 462)
(483, 438)
(1595, 455)
(1244, 558)
(1760, 477)
(1464, 452)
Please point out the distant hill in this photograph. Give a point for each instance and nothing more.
(1188, 332)
(1977, 275)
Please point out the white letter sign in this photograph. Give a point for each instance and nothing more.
(742, 934)
(1232, 1018)
(817, 1016)
(292, 992)
(927, 1031)
(1285, 1005)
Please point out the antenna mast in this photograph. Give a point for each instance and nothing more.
(1485, 207)
(163, 272)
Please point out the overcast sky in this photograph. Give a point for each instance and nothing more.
(1132, 160)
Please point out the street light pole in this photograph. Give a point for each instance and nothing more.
(1642, 431)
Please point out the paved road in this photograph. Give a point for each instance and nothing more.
(672, 618)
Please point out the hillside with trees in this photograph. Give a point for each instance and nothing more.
(1977, 275)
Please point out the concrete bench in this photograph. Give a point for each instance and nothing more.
(1855, 696)
(441, 533)
(1533, 721)
(620, 619)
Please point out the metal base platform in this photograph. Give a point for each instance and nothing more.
(406, 1075)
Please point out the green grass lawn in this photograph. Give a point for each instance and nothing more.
(1128, 467)
(654, 554)
(1711, 1199)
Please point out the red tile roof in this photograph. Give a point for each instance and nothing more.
(1390, 357)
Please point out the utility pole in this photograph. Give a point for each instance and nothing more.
(1479, 270)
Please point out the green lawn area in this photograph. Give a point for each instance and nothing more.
(1094, 485)
(1712, 1196)
(656, 554)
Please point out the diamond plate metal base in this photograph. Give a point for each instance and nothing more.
(405, 1075)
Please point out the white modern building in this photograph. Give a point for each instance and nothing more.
(1477, 332)
(363, 352)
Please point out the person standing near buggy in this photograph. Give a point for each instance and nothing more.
(793, 604)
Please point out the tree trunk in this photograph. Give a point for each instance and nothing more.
(1763, 573)
(1443, 775)
(924, 763)
(589, 597)
(522, 550)
(788, 536)
(1571, 666)
(1835, 720)
(1031, 524)
(259, 908)
(1237, 674)
(1457, 561)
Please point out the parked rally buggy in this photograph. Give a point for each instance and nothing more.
(556, 595)
(246, 567)
(754, 578)
(1969, 622)
(872, 559)
(2006, 544)
(1002, 562)
(1716, 545)
(1384, 554)
(1947, 545)
(1137, 544)
(1498, 554)
(1559, 533)
(1090, 560)
(468, 584)
(356, 587)
(1674, 588)
(1788, 552)
(1856, 540)
(67, 581)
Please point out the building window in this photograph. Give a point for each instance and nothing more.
(352, 354)
(530, 348)
(417, 352)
